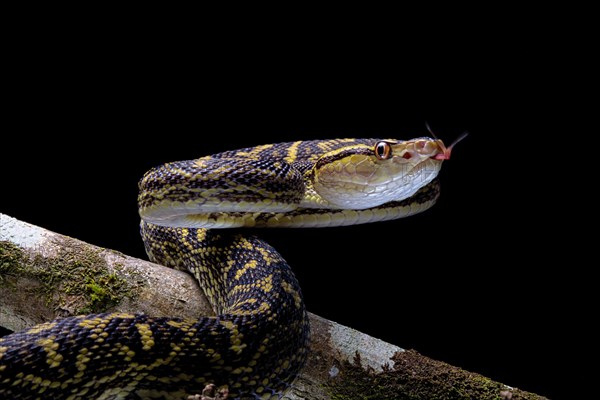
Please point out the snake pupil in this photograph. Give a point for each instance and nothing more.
(383, 150)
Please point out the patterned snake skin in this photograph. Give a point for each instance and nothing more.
(259, 339)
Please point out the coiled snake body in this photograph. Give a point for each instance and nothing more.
(258, 341)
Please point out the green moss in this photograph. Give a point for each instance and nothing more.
(77, 278)
(11, 257)
(414, 377)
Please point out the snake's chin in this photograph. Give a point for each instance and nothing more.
(361, 194)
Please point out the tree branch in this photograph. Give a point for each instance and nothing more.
(45, 275)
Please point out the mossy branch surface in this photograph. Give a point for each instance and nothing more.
(60, 276)
(415, 377)
(76, 280)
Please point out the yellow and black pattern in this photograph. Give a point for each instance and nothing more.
(258, 341)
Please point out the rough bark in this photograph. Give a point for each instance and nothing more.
(44, 275)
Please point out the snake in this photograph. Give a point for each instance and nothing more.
(192, 215)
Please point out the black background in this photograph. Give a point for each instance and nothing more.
(468, 282)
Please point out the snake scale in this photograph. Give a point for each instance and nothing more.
(259, 339)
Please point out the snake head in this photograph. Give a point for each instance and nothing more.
(369, 175)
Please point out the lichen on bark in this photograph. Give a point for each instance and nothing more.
(415, 377)
(76, 280)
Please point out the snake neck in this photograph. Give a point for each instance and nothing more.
(252, 289)
(240, 274)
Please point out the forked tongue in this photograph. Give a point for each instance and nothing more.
(446, 151)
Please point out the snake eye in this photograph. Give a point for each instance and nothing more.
(383, 150)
